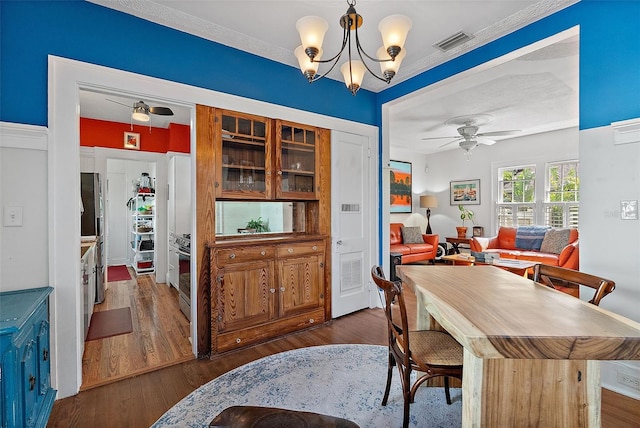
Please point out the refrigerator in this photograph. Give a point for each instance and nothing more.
(92, 224)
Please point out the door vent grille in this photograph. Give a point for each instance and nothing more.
(452, 41)
(350, 208)
(350, 275)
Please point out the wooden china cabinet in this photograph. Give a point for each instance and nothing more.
(259, 286)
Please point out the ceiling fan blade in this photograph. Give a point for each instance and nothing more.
(498, 133)
(486, 141)
(163, 111)
(118, 102)
(450, 142)
(440, 138)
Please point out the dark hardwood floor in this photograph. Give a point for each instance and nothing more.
(139, 401)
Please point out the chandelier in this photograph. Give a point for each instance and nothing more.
(312, 29)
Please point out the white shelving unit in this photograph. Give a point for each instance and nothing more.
(143, 233)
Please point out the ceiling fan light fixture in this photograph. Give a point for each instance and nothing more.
(468, 145)
(140, 114)
(312, 29)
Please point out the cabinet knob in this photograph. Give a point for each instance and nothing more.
(238, 340)
(290, 250)
(282, 289)
(311, 320)
(45, 354)
(232, 255)
(216, 184)
(315, 247)
(279, 172)
(32, 382)
(272, 290)
(263, 252)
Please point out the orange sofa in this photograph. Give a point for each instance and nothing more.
(505, 245)
(412, 252)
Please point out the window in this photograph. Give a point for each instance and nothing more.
(562, 199)
(523, 199)
(517, 196)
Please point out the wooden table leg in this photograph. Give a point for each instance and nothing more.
(550, 393)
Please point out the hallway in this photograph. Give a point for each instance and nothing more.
(160, 336)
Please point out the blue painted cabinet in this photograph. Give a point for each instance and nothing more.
(25, 368)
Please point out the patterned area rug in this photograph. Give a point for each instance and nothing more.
(339, 380)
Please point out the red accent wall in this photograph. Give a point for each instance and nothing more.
(102, 133)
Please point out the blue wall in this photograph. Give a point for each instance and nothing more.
(609, 59)
(31, 30)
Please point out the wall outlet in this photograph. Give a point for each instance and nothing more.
(629, 380)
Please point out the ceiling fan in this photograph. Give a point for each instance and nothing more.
(468, 127)
(141, 110)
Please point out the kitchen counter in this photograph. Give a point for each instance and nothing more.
(85, 246)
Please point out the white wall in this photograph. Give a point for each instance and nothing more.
(432, 175)
(24, 184)
(609, 245)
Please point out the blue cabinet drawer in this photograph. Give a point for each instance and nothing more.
(25, 384)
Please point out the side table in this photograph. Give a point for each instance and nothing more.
(455, 243)
(395, 260)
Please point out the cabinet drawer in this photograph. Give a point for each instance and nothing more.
(302, 248)
(225, 256)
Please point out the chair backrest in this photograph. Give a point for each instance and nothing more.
(398, 340)
(555, 275)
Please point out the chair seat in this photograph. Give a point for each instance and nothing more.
(270, 417)
(435, 348)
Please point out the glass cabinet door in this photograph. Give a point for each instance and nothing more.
(243, 153)
(296, 148)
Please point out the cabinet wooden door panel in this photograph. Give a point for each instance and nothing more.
(297, 162)
(243, 153)
(246, 295)
(301, 281)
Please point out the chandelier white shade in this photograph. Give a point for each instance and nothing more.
(312, 29)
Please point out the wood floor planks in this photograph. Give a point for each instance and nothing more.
(139, 401)
(160, 334)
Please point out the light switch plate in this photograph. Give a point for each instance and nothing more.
(13, 216)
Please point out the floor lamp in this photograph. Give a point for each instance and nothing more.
(428, 202)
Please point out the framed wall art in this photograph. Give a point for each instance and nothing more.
(131, 140)
(400, 186)
(466, 192)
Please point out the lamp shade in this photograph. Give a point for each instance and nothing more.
(353, 75)
(428, 201)
(387, 66)
(304, 61)
(394, 30)
(312, 30)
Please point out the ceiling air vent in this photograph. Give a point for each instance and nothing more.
(452, 41)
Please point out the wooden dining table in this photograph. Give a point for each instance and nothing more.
(531, 354)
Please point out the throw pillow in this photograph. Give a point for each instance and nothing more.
(412, 235)
(530, 237)
(555, 240)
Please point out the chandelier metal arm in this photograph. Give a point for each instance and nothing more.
(362, 51)
(335, 59)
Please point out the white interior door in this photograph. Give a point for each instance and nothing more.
(117, 232)
(352, 217)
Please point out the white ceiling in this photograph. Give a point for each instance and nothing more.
(533, 93)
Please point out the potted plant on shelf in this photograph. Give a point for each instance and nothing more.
(257, 226)
(465, 215)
